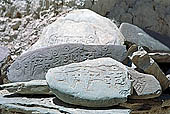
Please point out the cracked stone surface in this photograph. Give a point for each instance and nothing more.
(100, 82)
(148, 14)
(80, 26)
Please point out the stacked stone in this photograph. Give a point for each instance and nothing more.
(84, 64)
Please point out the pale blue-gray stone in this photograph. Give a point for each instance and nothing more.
(100, 82)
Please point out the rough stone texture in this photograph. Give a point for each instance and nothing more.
(36, 8)
(146, 86)
(80, 26)
(4, 58)
(149, 14)
(34, 64)
(100, 82)
(160, 105)
(31, 87)
(136, 35)
(21, 8)
(19, 34)
(143, 61)
(160, 57)
(11, 104)
(4, 54)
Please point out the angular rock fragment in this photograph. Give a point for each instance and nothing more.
(31, 87)
(80, 26)
(136, 35)
(160, 57)
(4, 53)
(100, 82)
(146, 86)
(143, 61)
(34, 65)
(4, 57)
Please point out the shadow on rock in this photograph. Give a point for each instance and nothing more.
(58, 102)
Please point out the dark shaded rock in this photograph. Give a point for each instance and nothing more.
(159, 105)
(136, 35)
(160, 57)
(34, 64)
(100, 82)
(146, 86)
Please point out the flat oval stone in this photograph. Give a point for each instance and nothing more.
(34, 64)
(100, 82)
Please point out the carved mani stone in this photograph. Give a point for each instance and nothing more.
(100, 82)
(33, 65)
(146, 86)
(80, 26)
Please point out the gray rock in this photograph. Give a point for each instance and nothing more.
(145, 85)
(31, 87)
(100, 82)
(148, 14)
(34, 65)
(4, 54)
(136, 35)
(143, 61)
(4, 58)
(80, 26)
(160, 57)
(13, 104)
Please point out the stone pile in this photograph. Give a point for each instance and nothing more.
(84, 64)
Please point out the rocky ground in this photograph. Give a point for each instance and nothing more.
(84, 56)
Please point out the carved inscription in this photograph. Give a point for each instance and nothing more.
(35, 64)
(62, 39)
(108, 76)
(139, 84)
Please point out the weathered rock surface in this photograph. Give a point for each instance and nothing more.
(100, 82)
(4, 54)
(160, 57)
(21, 104)
(143, 61)
(4, 58)
(136, 35)
(34, 64)
(19, 34)
(80, 26)
(148, 14)
(146, 86)
(21, 8)
(31, 87)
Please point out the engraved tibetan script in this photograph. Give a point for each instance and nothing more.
(35, 64)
